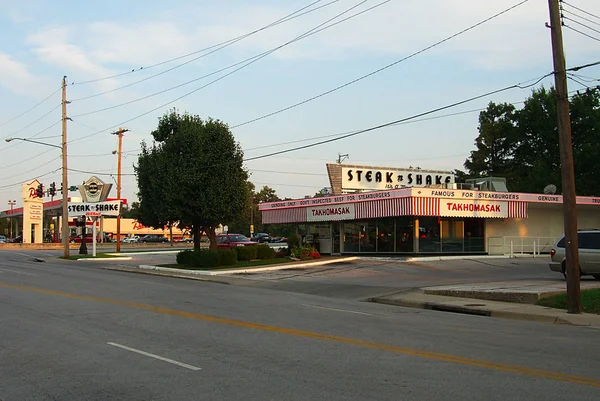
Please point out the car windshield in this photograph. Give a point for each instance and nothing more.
(238, 238)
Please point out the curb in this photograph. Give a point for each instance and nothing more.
(145, 253)
(575, 320)
(244, 271)
(103, 259)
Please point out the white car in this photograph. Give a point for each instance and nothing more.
(131, 240)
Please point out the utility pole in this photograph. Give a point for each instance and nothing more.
(119, 152)
(11, 203)
(65, 184)
(342, 157)
(566, 161)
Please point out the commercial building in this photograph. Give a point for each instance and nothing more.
(379, 210)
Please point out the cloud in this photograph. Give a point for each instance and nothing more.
(16, 77)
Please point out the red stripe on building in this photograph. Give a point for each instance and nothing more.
(291, 215)
(382, 208)
(518, 210)
(425, 207)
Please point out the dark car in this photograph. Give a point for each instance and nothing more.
(261, 237)
(154, 238)
(16, 240)
(233, 240)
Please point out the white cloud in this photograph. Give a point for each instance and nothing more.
(17, 77)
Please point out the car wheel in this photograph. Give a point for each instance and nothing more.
(564, 270)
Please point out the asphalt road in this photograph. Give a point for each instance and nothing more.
(75, 331)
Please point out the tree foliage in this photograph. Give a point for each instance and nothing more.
(523, 145)
(192, 174)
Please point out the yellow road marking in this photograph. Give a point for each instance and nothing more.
(326, 337)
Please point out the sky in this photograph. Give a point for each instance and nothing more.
(128, 63)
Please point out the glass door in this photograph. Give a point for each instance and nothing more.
(335, 237)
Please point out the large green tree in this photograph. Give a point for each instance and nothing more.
(526, 150)
(193, 174)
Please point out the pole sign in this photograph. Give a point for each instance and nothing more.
(78, 209)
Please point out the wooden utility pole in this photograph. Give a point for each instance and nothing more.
(65, 183)
(566, 161)
(119, 152)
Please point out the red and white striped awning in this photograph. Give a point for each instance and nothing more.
(425, 207)
(518, 210)
(383, 208)
(289, 215)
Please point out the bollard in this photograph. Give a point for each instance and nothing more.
(534, 249)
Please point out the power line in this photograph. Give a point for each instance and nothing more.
(31, 108)
(237, 69)
(582, 24)
(28, 160)
(248, 62)
(33, 136)
(288, 172)
(229, 41)
(21, 182)
(220, 46)
(33, 169)
(581, 17)
(582, 33)
(380, 69)
(579, 9)
(33, 123)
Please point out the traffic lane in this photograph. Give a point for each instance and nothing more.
(289, 310)
(71, 352)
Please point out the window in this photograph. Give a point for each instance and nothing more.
(385, 235)
(589, 240)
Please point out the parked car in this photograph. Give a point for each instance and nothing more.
(130, 240)
(261, 237)
(2, 239)
(589, 254)
(154, 238)
(88, 239)
(17, 240)
(233, 240)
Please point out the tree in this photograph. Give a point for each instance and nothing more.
(495, 143)
(193, 175)
(526, 144)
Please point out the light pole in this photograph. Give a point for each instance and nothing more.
(65, 210)
(120, 133)
(11, 203)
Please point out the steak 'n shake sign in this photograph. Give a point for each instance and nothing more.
(330, 213)
(372, 179)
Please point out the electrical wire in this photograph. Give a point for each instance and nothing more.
(33, 136)
(28, 160)
(21, 182)
(227, 44)
(582, 33)
(576, 80)
(287, 18)
(33, 123)
(380, 69)
(223, 76)
(32, 107)
(33, 169)
(288, 172)
(582, 24)
(248, 62)
(581, 17)
(579, 9)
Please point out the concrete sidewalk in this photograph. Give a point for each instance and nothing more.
(509, 300)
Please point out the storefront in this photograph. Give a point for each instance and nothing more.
(423, 220)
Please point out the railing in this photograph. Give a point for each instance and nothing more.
(519, 246)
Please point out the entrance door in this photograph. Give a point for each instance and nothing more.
(336, 237)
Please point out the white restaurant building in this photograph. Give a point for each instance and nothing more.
(379, 210)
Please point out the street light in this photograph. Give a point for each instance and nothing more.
(65, 188)
(11, 203)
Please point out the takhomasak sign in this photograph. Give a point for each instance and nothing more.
(95, 209)
(330, 213)
(381, 179)
(473, 208)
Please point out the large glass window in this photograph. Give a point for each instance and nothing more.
(351, 237)
(474, 235)
(385, 235)
(452, 237)
(404, 234)
(368, 236)
(429, 235)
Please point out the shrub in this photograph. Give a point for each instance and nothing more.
(304, 252)
(246, 252)
(264, 251)
(228, 257)
(206, 258)
(293, 240)
(282, 253)
(184, 257)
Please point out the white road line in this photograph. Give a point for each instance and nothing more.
(14, 271)
(183, 365)
(338, 310)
